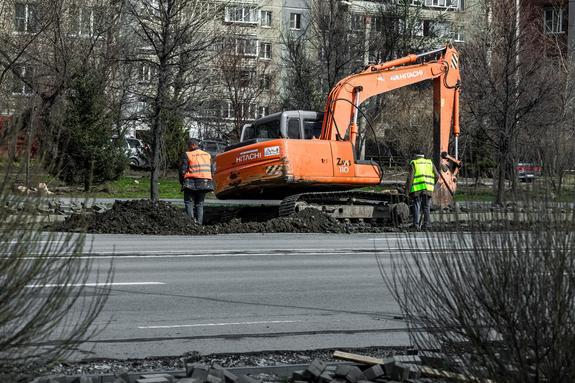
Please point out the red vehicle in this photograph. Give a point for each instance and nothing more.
(7, 139)
(528, 171)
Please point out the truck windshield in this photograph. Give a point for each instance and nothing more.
(267, 129)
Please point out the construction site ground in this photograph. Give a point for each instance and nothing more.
(167, 218)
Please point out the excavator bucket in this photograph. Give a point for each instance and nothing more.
(442, 196)
(444, 191)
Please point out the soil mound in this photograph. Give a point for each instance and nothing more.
(132, 217)
(164, 218)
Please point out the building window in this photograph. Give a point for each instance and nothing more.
(265, 81)
(376, 23)
(25, 17)
(266, 19)
(23, 78)
(266, 51)
(436, 29)
(454, 4)
(262, 111)
(244, 78)
(241, 14)
(246, 46)
(86, 21)
(295, 21)
(357, 22)
(554, 20)
(147, 72)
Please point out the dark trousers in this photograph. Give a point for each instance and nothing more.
(421, 202)
(194, 201)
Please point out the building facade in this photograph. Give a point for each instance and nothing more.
(247, 70)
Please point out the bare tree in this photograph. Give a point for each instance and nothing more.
(247, 75)
(302, 84)
(37, 329)
(348, 37)
(56, 42)
(174, 36)
(556, 148)
(497, 301)
(506, 80)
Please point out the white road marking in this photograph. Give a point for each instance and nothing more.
(263, 253)
(97, 284)
(218, 324)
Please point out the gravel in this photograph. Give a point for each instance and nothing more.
(167, 364)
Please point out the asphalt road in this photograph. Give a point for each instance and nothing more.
(240, 293)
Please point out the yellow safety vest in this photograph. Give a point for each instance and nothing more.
(199, 165)
(423, 176)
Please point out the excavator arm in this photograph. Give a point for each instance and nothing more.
(342, 107)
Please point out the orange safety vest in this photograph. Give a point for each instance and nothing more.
(199, 165)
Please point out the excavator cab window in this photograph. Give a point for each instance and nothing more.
(311, 128)
(269, 129)
(294, 128)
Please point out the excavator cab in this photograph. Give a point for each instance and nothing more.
(295, 124)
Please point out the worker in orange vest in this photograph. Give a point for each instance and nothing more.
(196, 179)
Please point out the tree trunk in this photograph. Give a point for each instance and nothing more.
(500, 184)
(89, 176)
(28, 152)
(158, 128)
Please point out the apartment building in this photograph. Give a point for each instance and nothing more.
(41, 41)
(250, 80)
(556, 19)
(247, 76)
(245, 71)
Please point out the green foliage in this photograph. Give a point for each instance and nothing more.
(478, 156)
(86, 152)
(130, 187)
(174, 140)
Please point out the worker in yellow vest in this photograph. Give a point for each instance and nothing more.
(196, 179)
(419, 187)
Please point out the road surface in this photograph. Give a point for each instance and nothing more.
(240, 293)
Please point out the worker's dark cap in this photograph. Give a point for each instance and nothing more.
(420, 150)
(193, 142)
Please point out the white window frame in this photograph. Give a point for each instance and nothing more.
(242, 14)
(295, 20)
(451, 4)
(78, 21)
(357, 22)
(146, 73)
(24, 89)
(556, 20)
(243, 43)
(30, 11)
(266, 19)
(265, 50)
(262, 111)
(418, 28)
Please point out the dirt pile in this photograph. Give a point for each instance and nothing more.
(143, 217)
(132, 217)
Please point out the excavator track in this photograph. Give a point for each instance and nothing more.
(350, 205)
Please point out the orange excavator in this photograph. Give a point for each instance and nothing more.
(287, 155)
